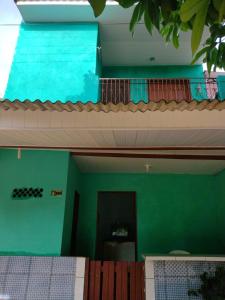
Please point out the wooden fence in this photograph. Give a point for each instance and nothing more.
(114, 281)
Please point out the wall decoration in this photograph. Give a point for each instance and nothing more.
(25, 193)
(55, 193)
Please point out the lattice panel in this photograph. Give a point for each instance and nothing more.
(37, 278)
(24, 193)
(173, 279)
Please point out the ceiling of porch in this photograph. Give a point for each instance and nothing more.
(68, 137)
(138, 165)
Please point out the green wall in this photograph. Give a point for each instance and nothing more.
(191, 72)
(55, 62)
(173, 212)
(221, 87)
(35, 225)
(153, 72)
(220, 194)
(73, 184)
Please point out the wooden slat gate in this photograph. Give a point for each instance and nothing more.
(114, 281)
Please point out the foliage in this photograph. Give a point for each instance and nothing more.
(213, 287)
(170, 17)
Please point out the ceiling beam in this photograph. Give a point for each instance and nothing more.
(151, 148)
(151, 155)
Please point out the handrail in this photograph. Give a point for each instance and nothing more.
(125, 90)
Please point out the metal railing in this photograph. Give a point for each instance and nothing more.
(124, 90)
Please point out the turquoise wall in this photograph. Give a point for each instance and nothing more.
(159, 72)
(73, 184)
(221, 87)
(154, 72)
(173, 212)
(55, 62)
(34, 225)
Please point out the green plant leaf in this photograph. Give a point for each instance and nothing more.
(190, 8)
(217, 4)
(148, 22)
(209, 62)
(220, 7)
(198, 26)
(175, 38)
(199, 54)
(166, 9)
(166, 32)
(212, 286)
(147, 19)
(127, 3)
(98, 6)
(137, 14)
(154, 13)
(222, 11)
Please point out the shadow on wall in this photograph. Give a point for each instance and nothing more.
(90, 89)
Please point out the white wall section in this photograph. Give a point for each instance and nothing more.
(10, 20)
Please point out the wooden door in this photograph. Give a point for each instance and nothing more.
(115, 91)
(169, 90)
(109, 280)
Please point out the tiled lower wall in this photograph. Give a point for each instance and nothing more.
(41, 278)
(171, 280)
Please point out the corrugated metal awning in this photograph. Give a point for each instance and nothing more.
(37, 105)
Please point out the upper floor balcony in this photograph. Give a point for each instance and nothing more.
(136, 94)
(126, 90)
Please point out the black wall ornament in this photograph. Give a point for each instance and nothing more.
(24, 193)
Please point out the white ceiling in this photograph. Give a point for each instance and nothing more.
(118, 46)
(133, 165)
(68, 137)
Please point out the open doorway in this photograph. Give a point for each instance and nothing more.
(116, 235)
(74, 224)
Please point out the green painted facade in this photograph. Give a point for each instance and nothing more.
(73, 184)
(62, 62)
(35, 225)
(55, 62)
(174, 211)
(153, 72)
(221, 87)
(220, 194)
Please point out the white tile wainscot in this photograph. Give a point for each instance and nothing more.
(42, 278)
(169, 277)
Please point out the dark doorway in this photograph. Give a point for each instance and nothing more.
(74, 224)
(116, 238)
(115, 91)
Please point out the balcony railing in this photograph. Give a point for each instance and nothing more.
(124, 90)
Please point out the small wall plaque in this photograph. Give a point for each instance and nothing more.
(56, 193)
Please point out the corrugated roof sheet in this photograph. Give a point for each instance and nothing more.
(37, 105)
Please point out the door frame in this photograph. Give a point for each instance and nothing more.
(73, 241)
(134, 200)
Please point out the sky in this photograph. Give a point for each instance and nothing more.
(9, 13)
(9, 29)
